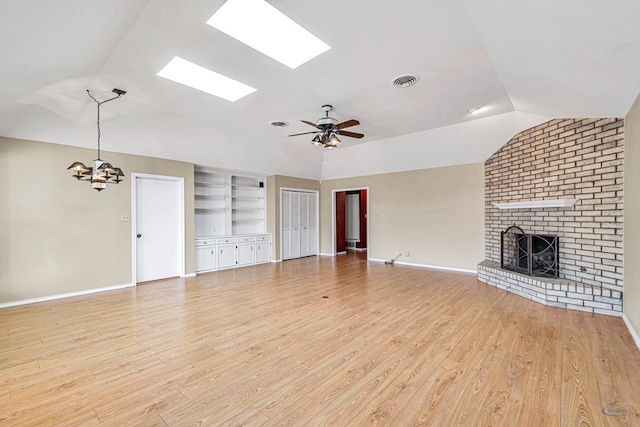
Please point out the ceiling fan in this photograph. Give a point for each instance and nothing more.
(328, 130)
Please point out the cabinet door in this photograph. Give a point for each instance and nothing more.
(226, 256)
(263, 251)
(205, 258)
(246, 253)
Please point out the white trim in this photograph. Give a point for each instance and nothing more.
(326, 254)
(436, 267)
(181, 220)
(65, 295)
(633, 333)
(558, 203)
(188, 275)
(276, 260)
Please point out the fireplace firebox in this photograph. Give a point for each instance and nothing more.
(531, 254)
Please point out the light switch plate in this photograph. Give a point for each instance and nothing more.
(125, 218)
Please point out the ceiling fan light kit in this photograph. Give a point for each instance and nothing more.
(328, 130)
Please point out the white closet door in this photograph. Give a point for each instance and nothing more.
(313, 224)
(295, 225)
(299, 224)
(286, 225)
(304, 224)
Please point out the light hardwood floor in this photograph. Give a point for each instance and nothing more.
(392, 345)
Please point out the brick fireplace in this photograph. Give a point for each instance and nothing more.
(577, 160)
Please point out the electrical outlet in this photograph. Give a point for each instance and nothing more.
(125, 218)
(407, 254)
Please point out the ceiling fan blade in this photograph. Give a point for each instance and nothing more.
(348, 123)
(303, 133)
(311, 124)
(350, 134)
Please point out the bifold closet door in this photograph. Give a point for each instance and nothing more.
(299, 227)
(290, 225)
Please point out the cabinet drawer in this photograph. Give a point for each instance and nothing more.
(226, 241)
(205, 243)
(246, 239)
(263, 238)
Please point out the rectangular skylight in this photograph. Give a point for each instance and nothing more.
(263, 27)
(189, 74)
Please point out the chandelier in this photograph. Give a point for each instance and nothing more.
(100, 173)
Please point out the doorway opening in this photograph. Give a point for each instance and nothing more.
(350, 220)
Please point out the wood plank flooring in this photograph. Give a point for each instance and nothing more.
(260, 346)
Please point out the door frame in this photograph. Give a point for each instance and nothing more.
(300, 190)
(134, 220)
(333, 218)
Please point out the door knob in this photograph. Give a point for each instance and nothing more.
(138, 235)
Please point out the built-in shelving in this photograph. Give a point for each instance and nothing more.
(227, 204)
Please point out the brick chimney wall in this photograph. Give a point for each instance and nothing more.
(579, 159)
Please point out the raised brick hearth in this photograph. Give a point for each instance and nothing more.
(580, 159)
(554, 292)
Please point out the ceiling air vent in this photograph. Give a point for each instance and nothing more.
(279, 124)
(405, 80)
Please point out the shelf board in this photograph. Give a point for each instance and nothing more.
(207, 197)
(210, 210)
(209, 184)
(247, 198)
(529, 204)
(248, 209)
(247, 187)
(248, 220)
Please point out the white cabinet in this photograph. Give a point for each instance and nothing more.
(246, 251)
(299, 224)
(206, 258)
(263, 249)
(232, 251)
(226, 253)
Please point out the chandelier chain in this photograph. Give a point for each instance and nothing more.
(98, 119)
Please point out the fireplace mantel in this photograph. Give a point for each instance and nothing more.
(528, 204)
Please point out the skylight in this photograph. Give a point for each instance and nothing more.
(263, 27)
(189, 74)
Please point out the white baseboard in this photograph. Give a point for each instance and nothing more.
(326, 254)
(189, 275)
(633, 333)
(65, 295)
(437, 267)
(276, 260)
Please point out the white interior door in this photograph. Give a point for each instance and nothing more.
(158, 222)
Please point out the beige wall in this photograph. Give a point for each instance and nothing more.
(632, 218)
(57, 235)
(274, 184)
(435, 214)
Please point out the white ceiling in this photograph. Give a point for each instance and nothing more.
(522, 61)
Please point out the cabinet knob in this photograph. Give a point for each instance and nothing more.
(138, 235)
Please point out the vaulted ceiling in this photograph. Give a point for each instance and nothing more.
(522, 61)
